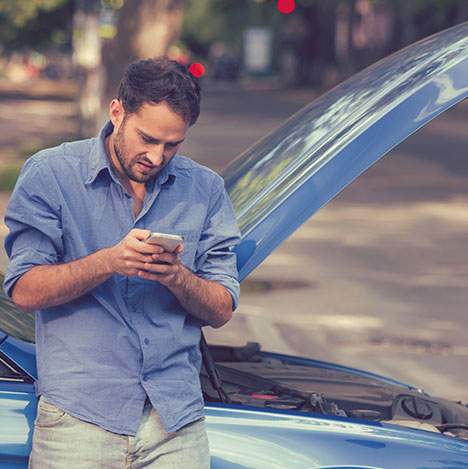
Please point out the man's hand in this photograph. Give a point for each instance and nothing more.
(164, 267)
(44, 286)
(131, 255)
(49, 285)
(201, 298)
(204, 299)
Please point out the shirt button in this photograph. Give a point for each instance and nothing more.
(146, 341)
(145, 377)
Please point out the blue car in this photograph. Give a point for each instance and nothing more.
(269, 410)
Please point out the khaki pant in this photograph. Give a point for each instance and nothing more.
(61, 441)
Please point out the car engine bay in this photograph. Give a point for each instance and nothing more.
(248, 376)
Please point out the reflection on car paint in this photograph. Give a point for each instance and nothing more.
(368, 114)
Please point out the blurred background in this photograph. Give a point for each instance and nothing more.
(303, 43)
(378, 278)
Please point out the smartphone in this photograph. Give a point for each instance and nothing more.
(168, 241)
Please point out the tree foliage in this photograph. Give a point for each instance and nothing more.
(35, 24)
(207, 21)
(19, 12)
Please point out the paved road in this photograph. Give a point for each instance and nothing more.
(378, 278)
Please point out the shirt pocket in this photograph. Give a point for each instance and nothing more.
(190, 247)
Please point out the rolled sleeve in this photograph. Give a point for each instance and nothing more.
(215, 258)
(33, 220)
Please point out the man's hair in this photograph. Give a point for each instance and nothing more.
(157, 80)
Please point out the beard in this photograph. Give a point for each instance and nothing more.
(122, 154)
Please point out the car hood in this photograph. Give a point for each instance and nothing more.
(281, 181)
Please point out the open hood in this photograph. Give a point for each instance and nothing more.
(281, 181)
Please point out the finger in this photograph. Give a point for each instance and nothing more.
(145, 248)
(144, 257)
(156, 268)
(139, 233)
(130, 255)
(156, 277)
(132, 265)
(165, 257)
(179, 249)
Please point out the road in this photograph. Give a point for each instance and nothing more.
(377, 279)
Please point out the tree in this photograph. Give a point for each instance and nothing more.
(145, 28)
(316, 46)
(308, 33)
(135, 29)
(419, 18)
(208, 21)
(88, 65)
(38, 24)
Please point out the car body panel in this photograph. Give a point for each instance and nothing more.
(21, 353)
(17, 413)
(280, 182)
(334, 366)
(253, 438)
(243, 436)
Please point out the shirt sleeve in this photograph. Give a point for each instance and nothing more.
(34, 223)
(215, 259)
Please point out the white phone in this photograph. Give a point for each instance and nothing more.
(168, 241)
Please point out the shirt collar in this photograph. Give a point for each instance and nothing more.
(99, 161)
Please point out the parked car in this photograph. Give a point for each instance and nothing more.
(270, 410)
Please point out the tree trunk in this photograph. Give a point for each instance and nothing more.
(145, 29)
(403, 29)
(88, 65)
(350, 65)
(317, 46)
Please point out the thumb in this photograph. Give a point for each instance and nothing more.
(140, 234)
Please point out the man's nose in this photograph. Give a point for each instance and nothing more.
(156, 155)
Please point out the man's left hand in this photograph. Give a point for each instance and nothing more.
(204, 299)
(166, 268)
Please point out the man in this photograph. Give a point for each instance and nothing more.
(118, 319)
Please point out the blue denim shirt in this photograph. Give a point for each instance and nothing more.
(100, 355)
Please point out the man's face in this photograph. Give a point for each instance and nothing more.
(144, 142)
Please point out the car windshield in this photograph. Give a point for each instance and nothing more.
(14, 322)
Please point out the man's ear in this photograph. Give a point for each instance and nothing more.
(116, 113)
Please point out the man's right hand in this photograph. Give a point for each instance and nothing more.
(49, 285)
(129, 255)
